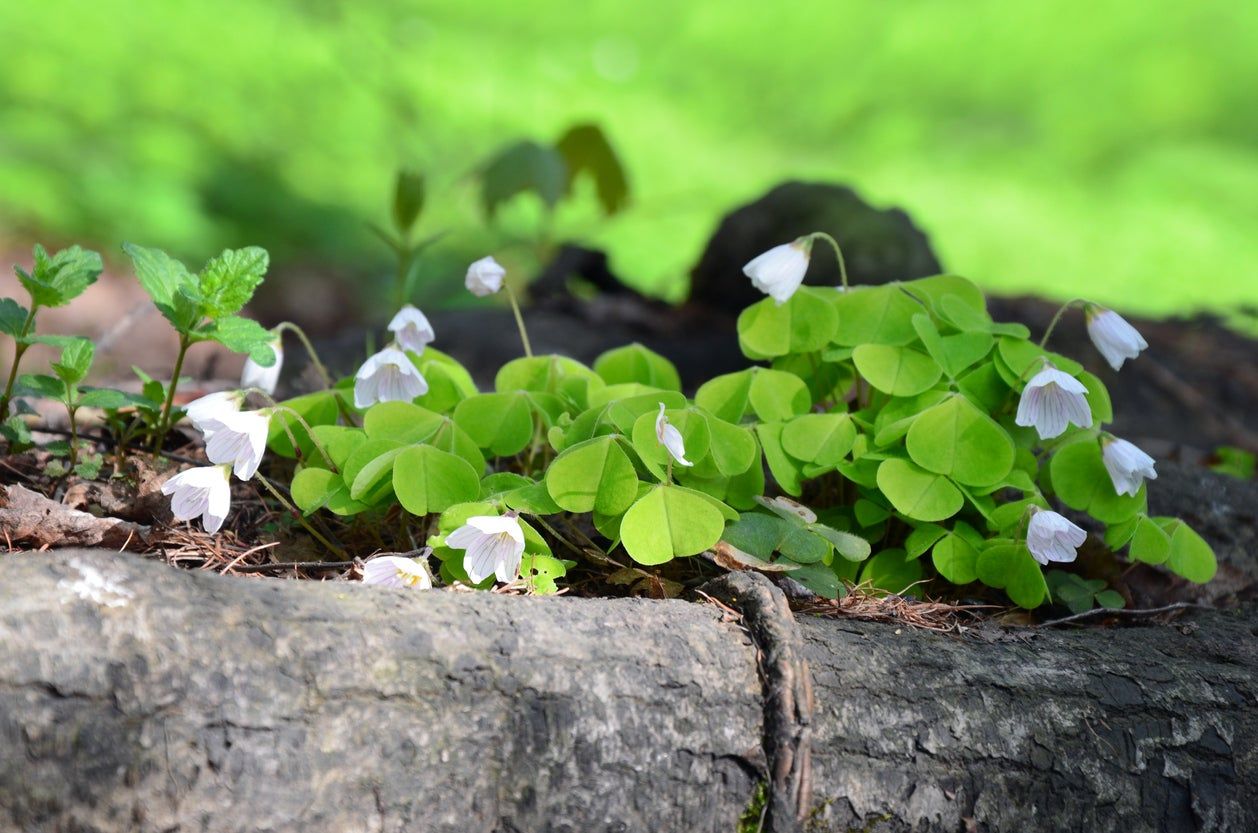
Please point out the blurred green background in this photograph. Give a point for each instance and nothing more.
(1065, 148)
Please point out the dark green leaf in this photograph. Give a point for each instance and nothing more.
(585, 149)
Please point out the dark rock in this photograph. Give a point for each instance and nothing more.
(879, 245)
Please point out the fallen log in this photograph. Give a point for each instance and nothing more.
(136, 697)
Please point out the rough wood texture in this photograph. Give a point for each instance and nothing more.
(138, 697)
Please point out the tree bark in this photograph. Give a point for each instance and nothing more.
(136, 697)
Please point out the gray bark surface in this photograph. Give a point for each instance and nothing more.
(138, 697)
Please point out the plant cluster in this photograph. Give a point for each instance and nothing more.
(883, 435)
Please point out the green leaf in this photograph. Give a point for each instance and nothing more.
(955, 559)
(824, 439)
(57, 280)
(1149, 542)
(162, 277)
(1081, 482)
(757, 533)
(338, 441)
(228, 281)
(371, 478)
(12, 317)
(669, 522)
(37, 384)
(428, 480)
(313, 489)
(408, 200)
(595, 475)
(804, 324)
(533, 499)
(851, 547)
(105, 399)
(917, 493)
(922, 538)
(317, 409)
(954, 353)
(401, 422)
(899, 371)
(875, 315)
(1191, 557)
(785, 470)
(776, 395)
(1098, 399)
(1020, 355)
(242, 335)
(959, 440)
(731, 448)
(586, 150)
(553, 374)
(984, 387)
(892, 572)
(522, 168)
(1009, 566)
(500, 423)
(75, 362)
(931, 291)
(635, 363)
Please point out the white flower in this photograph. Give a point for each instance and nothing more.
(670, 438)
(255, 375)
(411, 329)
(1052, 400)
(388, 376)
(484, 277)
(396, 571)
(238, 438)
(1127, 465)
(205, 411)
(494, 546)
(1116, 340)
(1052, 537)
(204, 491)
(779, 271)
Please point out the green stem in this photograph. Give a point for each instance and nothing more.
(1052, 325)
(327, 458)
(163, 422)
(275, 493)
(310, 351)
(19, 349)
(74, 435)
(821, 235)
(519, 322)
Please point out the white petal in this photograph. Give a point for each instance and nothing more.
(484, 277)
(779, 271)
(498, 524)
(411, 329)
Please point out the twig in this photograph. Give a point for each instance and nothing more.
(1121, 613)
(294, 565)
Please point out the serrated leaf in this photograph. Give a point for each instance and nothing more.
(522, 168)
(75, 361)
(161, 276)
(228, 282)
(586, 150)
(58, 279)
(242, 335)
(12, 317)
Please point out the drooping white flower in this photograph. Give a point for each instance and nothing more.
(238, 438)
(1127, 465)
(265, 379)
(670, 438)
(388, 376)
(779, 271)
(1052, 400)
(205, 411)
(1116, 339)
(1052, 537)
(493, 545)
(411, 329)
(397, 571)
(484, 277)
(204, 491)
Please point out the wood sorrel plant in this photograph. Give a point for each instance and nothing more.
(905, 434)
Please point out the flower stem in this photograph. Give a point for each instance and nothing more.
(519, 322)
(163, 421)
(310, 351)
(1052, 325)
(19, 349)
(74, 436)
(301, 519)
(821, 235)
(327, 458)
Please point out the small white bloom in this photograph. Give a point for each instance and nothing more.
(1127, 465)
(1116, 340)
(1052, 537)
(265, 379)
(238, 438)
(494, 546)
(205, 411)
(397, 571)
(204, 491)
(411, 329)
(670, 438)
(484, 277)
(779, 271)
(388, 376)
(1052, 400)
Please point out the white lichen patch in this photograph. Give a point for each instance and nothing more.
(94, 586)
